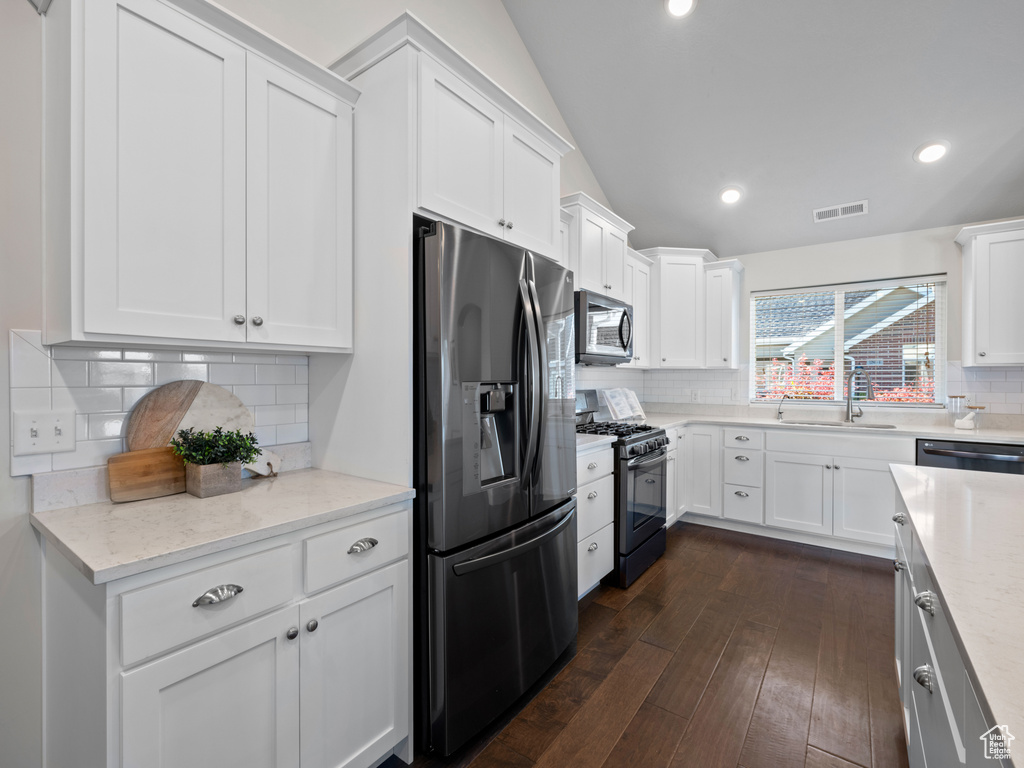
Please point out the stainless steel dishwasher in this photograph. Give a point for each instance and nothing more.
(977, 456)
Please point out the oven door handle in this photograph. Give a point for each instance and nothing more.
(654, 458)
(974, 455)
(460, 569)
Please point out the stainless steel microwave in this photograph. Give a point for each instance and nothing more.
(604, 330)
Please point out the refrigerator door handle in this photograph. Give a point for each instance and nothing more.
(532, 393)
(461, 569)
(542, 367)
(625, 323)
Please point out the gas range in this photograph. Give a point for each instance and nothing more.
(633, 439)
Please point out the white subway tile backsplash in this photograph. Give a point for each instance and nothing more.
(168, 372)
(292, 393)
(248, 357)
(206, 357)
(30, 399)
(302, 374)
(107, 374)
(301, 413)
(131, 395)
(256, 395)
(1006, 386)
(985, 374)
(275, 374)
(153, 356)
(84, 353)
(105, 425)
(232, 373)
(69, 373)
(87, 399)
(292, 433)
(267, 415)
(1011, 409)
(88, 453)
(30, 365)
(293, 359)
(266, 436)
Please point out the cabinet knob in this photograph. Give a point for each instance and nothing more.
(981, 354)
(664, 359)
(725, 359)
(362, 545)
(501, 222)
(742, 494)
(836, 467)
(924, 676)
(257, 321)
(900, 518)
(292, 633)
(592, 547)
(742, 458)
(926, 601)
(899, 565)
(239, 319)
(508, 225)
(312, 625)
(592, 465)
(828, 466)
(220, 594)
(592, 495)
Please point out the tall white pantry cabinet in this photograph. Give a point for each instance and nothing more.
(198, 182)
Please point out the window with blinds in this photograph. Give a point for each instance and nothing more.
(805, 342)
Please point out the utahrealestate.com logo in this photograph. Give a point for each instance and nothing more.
(997, 742)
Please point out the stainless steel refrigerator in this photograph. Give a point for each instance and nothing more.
(495, 466)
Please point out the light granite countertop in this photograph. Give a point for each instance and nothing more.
(593, 441)
(971, 528)
(108, 541)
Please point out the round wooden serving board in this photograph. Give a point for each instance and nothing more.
(158, 416)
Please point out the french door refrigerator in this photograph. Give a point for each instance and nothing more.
(495, 467)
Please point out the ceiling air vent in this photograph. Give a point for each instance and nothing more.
(843, 211)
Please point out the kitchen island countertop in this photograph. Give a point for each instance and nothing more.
(971, 529)
(108, 541)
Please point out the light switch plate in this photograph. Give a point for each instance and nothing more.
(43, 432)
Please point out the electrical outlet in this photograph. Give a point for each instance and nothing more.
(43, 432)
(694, 395)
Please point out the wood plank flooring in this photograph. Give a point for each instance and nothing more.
(732, 650)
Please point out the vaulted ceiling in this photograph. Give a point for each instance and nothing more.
(802, 103)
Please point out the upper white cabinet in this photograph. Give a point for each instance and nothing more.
(638, 294)
(198, 182)
(597, 247)
(993, 313)
(694, 308)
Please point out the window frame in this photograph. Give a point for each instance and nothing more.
(839, 290)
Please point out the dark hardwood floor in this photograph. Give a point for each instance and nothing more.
(732, 650)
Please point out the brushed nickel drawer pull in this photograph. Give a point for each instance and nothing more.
(742, 458)
(592, 465)
(899, 565)
(900, 518)
(220, 594)
(741, 494)
(741, 438)
(592, 495)
(592, 547)
(362, 546)
(926, 601)
(924, 676)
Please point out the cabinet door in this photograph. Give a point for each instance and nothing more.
(703, 479)
(998, 310)
(638, 293)
(721, 311)
(798, 492)
(614, 257)
(863, 500)
(299, 269)
(229, 700)
(355, 670)
(681, 293)
(591, 256)
(671, 505)
(531, 173)
(164, 196)
(460, 151)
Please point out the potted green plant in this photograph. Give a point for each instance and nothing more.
(213, 460)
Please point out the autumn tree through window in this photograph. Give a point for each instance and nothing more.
(804, 342)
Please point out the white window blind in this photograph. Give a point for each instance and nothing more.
(805, 342)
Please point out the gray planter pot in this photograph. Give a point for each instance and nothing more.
(205, 480)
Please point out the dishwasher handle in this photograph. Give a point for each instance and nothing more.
(974, 455)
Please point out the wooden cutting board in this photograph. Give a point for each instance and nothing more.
(158, 416)
(145, 474)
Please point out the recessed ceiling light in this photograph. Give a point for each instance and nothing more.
(680, 8)
(932, 151)
(731, 194)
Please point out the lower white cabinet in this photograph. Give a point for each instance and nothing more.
(702, 477)
(671, 478)
(286, 671)
(595, 516)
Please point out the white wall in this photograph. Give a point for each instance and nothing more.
(20, 276)
(480, 30)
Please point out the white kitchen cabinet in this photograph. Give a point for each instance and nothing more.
(672, 478)
(307, 664)
(638, 294)
(742, 474)
(677, 306)
(480, 167)
(197, 181)
(597, 247)
(722, 285)
(798, 492)
(595, 515)
(564, 224)
(993, 314)
(702, 472)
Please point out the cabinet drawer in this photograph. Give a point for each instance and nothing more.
(162, 616)
(595, 505)
(741, 467)
(741, 502)
(938, 712)
(595, 558)
(330, 561)
(742, 437)
(595, 465)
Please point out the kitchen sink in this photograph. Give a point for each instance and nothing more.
(844, 424)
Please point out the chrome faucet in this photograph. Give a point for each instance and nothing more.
(850, 415)
(784, 396)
